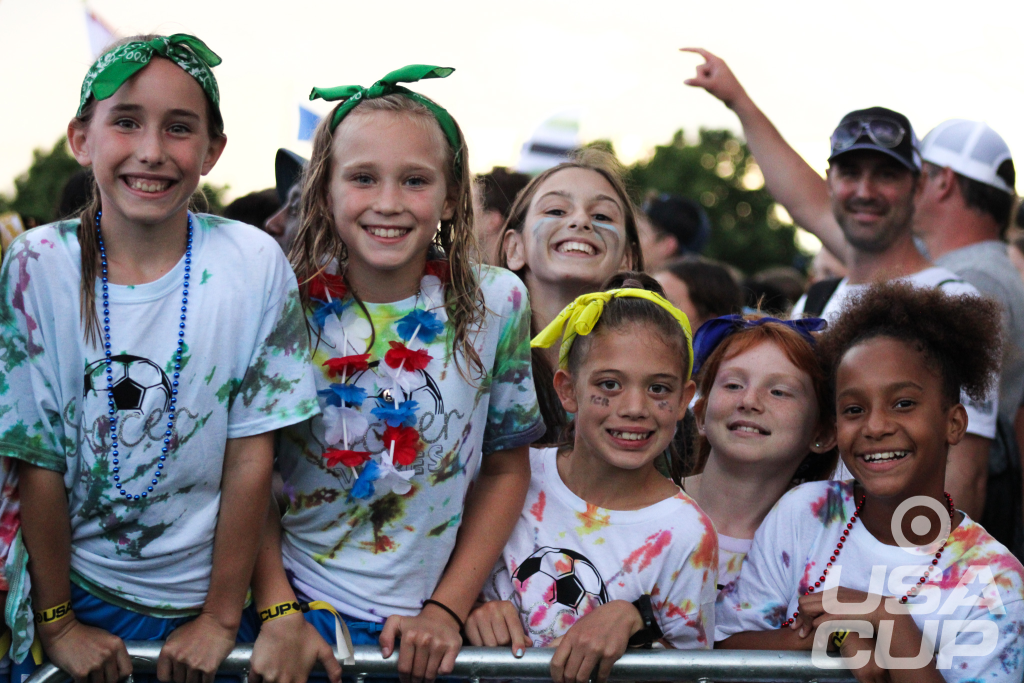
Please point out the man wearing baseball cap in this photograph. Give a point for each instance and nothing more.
(863, 211)
(962, 215)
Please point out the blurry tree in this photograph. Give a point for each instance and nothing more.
(38, 190)
(719, 172)
(209, 198)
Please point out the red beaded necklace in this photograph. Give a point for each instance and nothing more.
(839, 546)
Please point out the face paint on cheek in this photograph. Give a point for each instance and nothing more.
(663, 405)
(609, 234)
(599, 400)
(541, 230)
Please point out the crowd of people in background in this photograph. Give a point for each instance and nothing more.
(390, 403)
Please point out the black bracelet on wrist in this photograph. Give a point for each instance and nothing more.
(449, 610)
(651, 632)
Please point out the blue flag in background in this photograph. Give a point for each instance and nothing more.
(307, 123)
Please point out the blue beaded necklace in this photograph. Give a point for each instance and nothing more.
(112, 411)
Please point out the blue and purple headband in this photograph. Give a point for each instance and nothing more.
(715, 331)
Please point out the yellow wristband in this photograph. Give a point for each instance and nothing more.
(839, 637)
(48, 616)
(281, 609)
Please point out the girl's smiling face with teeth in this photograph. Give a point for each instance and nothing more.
(388, 194)
(761, 408)
(148, 144)
(893, 425)
(626, 403)
(574, 230)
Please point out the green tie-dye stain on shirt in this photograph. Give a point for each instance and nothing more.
(185, 358)
(205, 278)
(228, 391)
(209, 377)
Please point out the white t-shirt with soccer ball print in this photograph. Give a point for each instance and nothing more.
(244, 371)
(567, 557)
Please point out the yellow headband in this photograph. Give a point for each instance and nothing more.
(581, 316)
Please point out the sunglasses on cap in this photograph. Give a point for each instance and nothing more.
(883, 132)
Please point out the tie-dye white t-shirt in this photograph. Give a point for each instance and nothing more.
(980, 587)
(244, 371)
(370, 532)
(731, 553)
(567, 557)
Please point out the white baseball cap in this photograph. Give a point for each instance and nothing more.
(973, 150)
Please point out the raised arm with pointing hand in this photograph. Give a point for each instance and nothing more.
(791, 181)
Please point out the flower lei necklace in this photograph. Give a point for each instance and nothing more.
(842, 538)
(111, 403)
(340, 321)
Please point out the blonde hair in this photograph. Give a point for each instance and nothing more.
(317, 243)
(87, 241)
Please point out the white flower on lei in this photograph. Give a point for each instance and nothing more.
(352, 326)
(337, 420)
(391, 478)
(396, 380)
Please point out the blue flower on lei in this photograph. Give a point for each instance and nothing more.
(336, 394)
(403, 415)
(336, 307)
(427, 322)
(363, 488)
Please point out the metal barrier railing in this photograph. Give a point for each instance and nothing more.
(725, 666)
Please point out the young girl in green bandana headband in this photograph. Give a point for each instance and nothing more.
(150, 355)
(402, 494)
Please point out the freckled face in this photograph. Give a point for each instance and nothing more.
(626, 403)
(575, 229)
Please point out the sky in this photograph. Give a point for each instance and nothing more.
(806, 63)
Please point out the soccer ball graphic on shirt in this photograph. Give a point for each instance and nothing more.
(140, 385)
(556, 586)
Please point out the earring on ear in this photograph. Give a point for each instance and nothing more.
(817, 444)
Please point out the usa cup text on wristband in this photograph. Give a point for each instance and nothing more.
(48, 616)
(281, 609)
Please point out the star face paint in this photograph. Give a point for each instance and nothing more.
(574, 229)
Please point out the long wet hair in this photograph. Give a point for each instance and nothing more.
(800, 352)
(87, 240)
(318, 245)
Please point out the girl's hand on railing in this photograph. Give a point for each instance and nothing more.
(286, 650)
(594, 643)
(430, 642)
(84, 652)
(497, 623)
(194, 651)
(870, 672)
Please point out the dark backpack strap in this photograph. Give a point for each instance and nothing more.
(818, 295)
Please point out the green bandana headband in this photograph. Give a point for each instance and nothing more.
(354, 94)
(112, 69)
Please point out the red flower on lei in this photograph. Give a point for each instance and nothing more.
(440, 270)
(414, 360)
(406, 440)
(336, 456)
(347, 365)
(325, 283)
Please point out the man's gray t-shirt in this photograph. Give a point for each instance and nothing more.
(987, 266)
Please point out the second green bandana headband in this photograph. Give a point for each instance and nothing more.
(113, 68)
(581, 316)
(354, 94)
